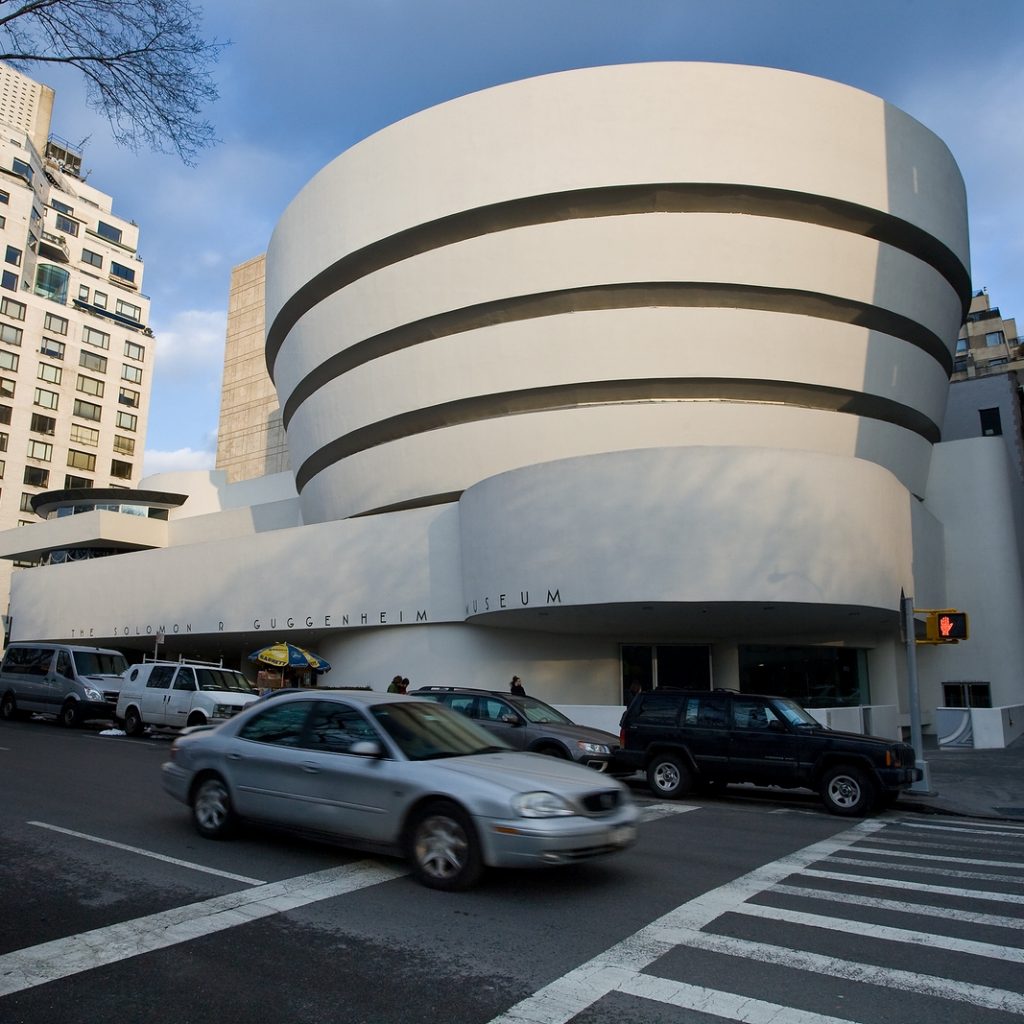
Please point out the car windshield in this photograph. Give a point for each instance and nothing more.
(99, 663)
(794, 714)
(539, 713)
(223, 679)
(425, 730)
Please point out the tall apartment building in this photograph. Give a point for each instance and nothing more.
(251, 439)
(76, 354)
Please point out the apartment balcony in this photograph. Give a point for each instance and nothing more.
(54, 247)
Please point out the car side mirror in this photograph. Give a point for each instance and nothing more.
(366, 748)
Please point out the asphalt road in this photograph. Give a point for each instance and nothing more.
(112, 908)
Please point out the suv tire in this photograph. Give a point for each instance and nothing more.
(847, 791)
(668, 776)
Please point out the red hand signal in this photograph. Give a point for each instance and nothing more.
(945, 625)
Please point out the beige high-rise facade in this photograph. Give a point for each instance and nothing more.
(988, 342)
(250, 439)
(76, 352)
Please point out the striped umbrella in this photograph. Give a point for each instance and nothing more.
(286, 655)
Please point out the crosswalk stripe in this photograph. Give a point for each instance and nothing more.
(902, 907)
(932, 857)
(902, 883)
(978, 876)
(888, 977)
(975, 828)
(876, 931)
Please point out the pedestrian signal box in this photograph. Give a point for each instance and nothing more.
(945, 626)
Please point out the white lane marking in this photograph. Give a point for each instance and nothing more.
(932, 857)
(565, 997)
(906, 981)
(720, 1004)
(945, 872)
(927, 848)
(901, 883)
(876, 931)
(975, 828)
(149, 853)
(37, 965)
(651, 812)
(901, 906)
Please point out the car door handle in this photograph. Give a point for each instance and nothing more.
(311, 766)
(234, 757)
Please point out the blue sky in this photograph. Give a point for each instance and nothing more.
(304, 80)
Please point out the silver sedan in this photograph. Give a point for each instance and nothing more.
(398, 774)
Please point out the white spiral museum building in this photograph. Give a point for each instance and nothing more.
(624, 372)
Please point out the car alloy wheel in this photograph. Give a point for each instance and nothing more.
(846, 791)
(444, 849)
(668, 777)
(211, 809)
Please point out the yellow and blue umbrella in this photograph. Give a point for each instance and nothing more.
(286, 655)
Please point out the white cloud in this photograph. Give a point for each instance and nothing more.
(191, 344)
(182, 460)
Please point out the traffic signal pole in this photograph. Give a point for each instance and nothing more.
(924, 785)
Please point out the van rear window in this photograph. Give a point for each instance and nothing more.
(30, 661)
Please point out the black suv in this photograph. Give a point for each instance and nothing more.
(529, 724)
(684, 738)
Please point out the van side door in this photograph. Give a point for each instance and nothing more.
(63, 678)
(156, 694)
(181, 697)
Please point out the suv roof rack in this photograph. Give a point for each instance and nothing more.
(146, 659)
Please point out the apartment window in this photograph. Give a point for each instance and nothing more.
(129, 310)
(134, 351)
(88, 410)
(76, 481)
(51, 374)
(84, 435)
(62, 207)
(120, 470)
(99, 299)
(52, 283)
(966, 695)
(57, 324)
(83, 293)
(991, 425)
(961, 346)
(6, 387)
(94, 259)
(89, 386)
(35, 476)
(127, 420)
(22, 168)
(1002, 361)
(994, 338)
(41, 450)
(12, 308)
(26, 506)
(5, 197)
(10, 335)
(9, 280)
(122, 272)
(132, 373)
(3, 222)
(13, 256)
(43, 424)
(3, 441)
(53, 349)
(81, 460)
(123, 445)
(109, 231)
(9, 361)
(128, 397)
(95, 338)
(45, 399)
(66, 224)
(5, 413)
(93, 361)
(3, 468)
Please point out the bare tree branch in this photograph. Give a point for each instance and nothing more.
(147, 68)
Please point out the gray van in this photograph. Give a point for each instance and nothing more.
(74, 684)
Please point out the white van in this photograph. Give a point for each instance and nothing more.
(173, 694)
(75, 684)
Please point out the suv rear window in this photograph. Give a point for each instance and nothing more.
(658, 709)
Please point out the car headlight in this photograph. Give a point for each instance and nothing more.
(223, 710)
(593, 748)
(91, 694)
(541, 805)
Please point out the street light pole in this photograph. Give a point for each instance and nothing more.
(914, 695)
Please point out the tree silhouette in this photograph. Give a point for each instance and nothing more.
(147, 68)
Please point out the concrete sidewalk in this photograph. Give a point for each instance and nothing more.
(976, 783)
